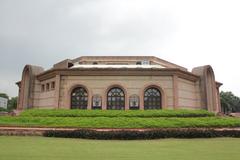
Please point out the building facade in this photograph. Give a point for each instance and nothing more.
(3, 102)
(118, 82)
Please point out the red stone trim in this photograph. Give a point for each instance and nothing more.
(175, 92)
(57, 90)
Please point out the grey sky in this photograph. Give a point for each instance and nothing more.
(185, 32)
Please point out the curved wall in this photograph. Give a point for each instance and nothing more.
(28, 87)
(208, 88)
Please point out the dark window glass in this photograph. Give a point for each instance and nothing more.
(79, 98)
(43, 87)
(152, 99)
(47, 87)
(138, 63)
(116, 99)
(53, 85)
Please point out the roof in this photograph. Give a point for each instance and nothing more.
(157, 60)
(116, 66)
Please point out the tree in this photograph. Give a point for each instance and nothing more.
(4, 95)
(229, 102)
(12, 103)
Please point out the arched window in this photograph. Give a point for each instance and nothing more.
(79, 98)
(115, 99)
(152, 99)
(96, 102)
(134, 102)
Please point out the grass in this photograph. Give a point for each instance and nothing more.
(115, 113)
(119, 122)
(118, 119)
(39, 148)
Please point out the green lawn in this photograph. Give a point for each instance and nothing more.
(115, 113)
(118, 119)
(40, 148)
(119, 122)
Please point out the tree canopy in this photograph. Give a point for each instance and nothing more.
(12, 102)
(4, 95)
(229, 102)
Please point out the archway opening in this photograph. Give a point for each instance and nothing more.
(152, 98)
(116, 99)
(79, 98)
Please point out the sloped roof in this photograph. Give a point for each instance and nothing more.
(116, 66)
(156, 60)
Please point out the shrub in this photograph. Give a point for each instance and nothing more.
(151, 134)
(115, 113)
(3, 109)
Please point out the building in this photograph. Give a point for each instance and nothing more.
(3, 102)
(118, 82)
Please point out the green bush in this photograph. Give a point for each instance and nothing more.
(115, 113)
(151, 134)
(119, 122)
(3, 109)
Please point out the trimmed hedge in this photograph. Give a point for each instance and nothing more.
(119, 122)
(153, 134)
(114, 113)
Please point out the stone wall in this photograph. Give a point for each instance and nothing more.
(46, 99)
(188, 91)
(189, 94)
(100, 85)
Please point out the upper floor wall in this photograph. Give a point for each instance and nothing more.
(116, 60)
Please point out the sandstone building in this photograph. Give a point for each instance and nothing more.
(118, 82)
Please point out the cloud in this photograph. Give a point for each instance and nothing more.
(184, 32)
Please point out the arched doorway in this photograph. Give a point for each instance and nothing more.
(79, 98)
(152, 98)
(116, 99)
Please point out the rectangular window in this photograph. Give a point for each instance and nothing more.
(145, 62)
(47, 87)
(53, 85)
(43, 88)
(138, 63)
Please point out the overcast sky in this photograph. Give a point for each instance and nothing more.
(187, 32)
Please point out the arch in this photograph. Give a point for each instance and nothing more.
(116, 98)
(208, 88)
(27, 87)
(79, 98)
(152, 98)
(162, 93)
(104, 95)
(211, 89)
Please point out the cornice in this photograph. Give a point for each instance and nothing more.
(118, 72)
